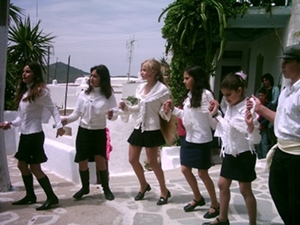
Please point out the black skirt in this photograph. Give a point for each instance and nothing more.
(90, 143)
(240, 168)
(150, 139)
(196, 155)
(31, 148)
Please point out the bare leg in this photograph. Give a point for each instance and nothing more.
(134, 160)
(152, 160)
(24, 168)
(224, 185)
(210, 187)
(83, 165)
(246, 191)
(191, 179)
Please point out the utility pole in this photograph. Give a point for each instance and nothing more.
(55, 68)
(48, 65)
(129, 45)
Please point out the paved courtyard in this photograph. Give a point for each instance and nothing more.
(94, 209)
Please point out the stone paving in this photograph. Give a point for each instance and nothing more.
(93, 209)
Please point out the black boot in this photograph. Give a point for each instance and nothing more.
(104, 179)
(30, 197)
(85, 181)
(51, 197)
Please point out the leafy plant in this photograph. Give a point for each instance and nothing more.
(194, 31)
(132, 99)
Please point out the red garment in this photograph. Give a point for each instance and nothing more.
(180, 128)
(108, 145)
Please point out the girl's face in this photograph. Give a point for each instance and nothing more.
(94, 79)
(27, 75)
(231, 96)
(147, 74)
(291, 69)
(188, 81)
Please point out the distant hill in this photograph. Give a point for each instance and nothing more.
(59, 71)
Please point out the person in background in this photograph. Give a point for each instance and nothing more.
(149, 127)
(272, 97)
(93, 106)
(263, 147)
(196, 150)
(284, 157)
(35, 107)
(239, 133)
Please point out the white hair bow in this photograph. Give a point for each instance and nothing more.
(242, 75)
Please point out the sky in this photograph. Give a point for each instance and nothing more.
(94, 32)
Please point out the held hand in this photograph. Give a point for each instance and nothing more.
(168, 105)
(248, 117)
(122, 105)
(64, 121)
(110, 114)
(257, 103)
(60, 132)
(5, 126)
(213, 107)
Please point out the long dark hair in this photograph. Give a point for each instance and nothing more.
(105, 85)
(38, 84)
(201, 82)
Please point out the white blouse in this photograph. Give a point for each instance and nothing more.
(287, 119)
(198, 122)
(149, 108)
(233, 130)
(92, 109)
(31, 115)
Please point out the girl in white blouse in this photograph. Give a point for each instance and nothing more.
(147, 131)
(93, 107)
(196, 151)
(35, 107)
(239, 132)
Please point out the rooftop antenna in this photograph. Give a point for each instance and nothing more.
(129, 45)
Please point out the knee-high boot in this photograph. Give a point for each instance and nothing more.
(104, 179)
(51, 197)
(85, 181)
(30, 196)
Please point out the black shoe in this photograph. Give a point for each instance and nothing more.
(219, 222)
(189, 207)
(163, 200)
(108, 194)
(140, 195)
(209, 215)
(81, 192)
(28, 199)
(48, 203)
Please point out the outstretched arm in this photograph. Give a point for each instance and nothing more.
(261, 109)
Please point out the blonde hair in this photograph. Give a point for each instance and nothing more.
(154, 66)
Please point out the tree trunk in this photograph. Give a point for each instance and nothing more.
(4, 9)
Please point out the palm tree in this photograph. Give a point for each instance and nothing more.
(4, 175)
(26, 43)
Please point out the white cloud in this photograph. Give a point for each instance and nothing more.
(96, 31)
